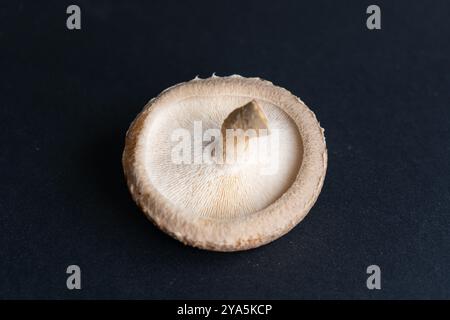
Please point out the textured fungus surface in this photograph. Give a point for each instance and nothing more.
(225, 207)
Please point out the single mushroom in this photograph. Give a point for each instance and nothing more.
(261, 183)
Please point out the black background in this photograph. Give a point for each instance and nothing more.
(68, 97)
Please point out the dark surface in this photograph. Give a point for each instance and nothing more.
(68, 97)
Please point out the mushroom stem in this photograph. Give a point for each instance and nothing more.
(247, 120)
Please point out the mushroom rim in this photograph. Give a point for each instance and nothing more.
(239, 233)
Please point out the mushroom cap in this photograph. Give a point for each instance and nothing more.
(218, 206)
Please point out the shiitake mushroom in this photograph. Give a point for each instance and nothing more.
(234, 205)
